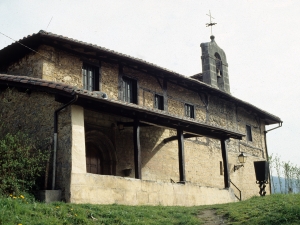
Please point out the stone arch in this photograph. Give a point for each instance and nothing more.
(100, 153)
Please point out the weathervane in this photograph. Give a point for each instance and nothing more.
(210, 24)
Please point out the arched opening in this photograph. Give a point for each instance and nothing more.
(94, 161)
(218, 60)
(100, 154)
(219, 70)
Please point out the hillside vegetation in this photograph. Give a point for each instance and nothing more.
(274, 209)
(285, 176)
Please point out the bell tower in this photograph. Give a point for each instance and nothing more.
(214, 66)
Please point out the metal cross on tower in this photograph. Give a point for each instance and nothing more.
(210, 24)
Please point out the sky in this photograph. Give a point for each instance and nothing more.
(260, 39)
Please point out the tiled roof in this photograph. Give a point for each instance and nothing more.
(4, 78)
(201, 85)
(43, 33)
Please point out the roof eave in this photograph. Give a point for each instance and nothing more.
(39, 38)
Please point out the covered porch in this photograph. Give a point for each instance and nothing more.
(111, 187)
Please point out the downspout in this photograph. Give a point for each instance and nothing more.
(265, 137)
(55, 136)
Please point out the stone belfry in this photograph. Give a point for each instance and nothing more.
(214, 66)
(214, 63)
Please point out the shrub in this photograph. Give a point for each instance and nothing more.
(21, 163)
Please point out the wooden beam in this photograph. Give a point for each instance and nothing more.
(181, 155)
(225, 163)
(159, 82)
(131, 124)
(166, 140)
(137, 149)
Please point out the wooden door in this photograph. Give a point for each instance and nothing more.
(93, 159)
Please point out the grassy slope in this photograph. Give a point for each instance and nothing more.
(275, 209)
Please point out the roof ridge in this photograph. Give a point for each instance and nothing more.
(143, 63)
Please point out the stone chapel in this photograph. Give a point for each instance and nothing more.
(122, 130)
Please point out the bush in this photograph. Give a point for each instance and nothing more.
(21, 163)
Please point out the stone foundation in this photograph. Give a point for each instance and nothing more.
(48, 196)
(103, 189)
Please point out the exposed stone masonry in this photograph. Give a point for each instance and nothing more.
(37, 121)
(159, 159)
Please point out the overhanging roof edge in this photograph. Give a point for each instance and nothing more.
(214, 91)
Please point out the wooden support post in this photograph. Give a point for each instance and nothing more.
(225, 163)
(137, 149)
(181, 155)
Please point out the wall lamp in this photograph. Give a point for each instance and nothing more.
(242, 159)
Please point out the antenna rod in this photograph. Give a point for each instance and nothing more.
(49, 23)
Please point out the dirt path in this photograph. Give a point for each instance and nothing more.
(209, 217)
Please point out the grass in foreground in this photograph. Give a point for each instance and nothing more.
(274, 209)
(17, 211)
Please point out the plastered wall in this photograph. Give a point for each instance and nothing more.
(95, 189)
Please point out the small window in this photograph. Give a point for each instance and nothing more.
(90, 77)
(189, 110)
(221, 168)
(129, 90)
(159, 102)
(248, 133)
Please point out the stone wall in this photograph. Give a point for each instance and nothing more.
(244, 178)
(33, 114)
(109, 79)
(31, 65)
(57, 65)
(203, 157)
(159, 159)
(61, 66)
(50, 64)
(102, 189)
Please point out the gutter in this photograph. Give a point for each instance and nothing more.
(267, 154)
(55, 136)
(279, 125)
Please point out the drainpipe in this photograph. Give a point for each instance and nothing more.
(55, 136)
(265, 137)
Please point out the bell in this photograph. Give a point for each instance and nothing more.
(218, 73)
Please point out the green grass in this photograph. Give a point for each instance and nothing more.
(274, 209)
(18, 211)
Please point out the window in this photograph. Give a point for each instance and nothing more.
(248, 133)
(159, 102)
(189, 110)
(90, 77)
(129, 90)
